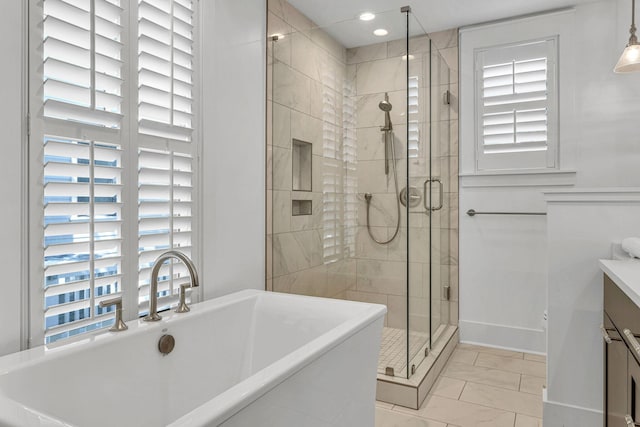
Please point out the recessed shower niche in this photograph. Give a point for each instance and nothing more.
(302, 165)
(355, 118)
(301, 207)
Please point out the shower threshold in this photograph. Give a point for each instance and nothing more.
(393, 355)
(411, 392)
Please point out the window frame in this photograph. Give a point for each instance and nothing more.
(560, 23)
(130, 141)
(529, 160)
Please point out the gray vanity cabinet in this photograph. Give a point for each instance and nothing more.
(634, 390)
(615, 356)
(621, 326)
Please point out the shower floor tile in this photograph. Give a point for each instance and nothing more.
(393, 353)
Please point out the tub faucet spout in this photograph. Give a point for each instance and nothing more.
(153, 286)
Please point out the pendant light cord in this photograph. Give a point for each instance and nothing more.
(633, 39)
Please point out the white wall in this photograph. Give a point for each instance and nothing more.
(607, 105)
(11, 121)
(233, 163)
(503, 261)
(503, 269)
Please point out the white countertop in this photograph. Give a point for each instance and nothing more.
(625, 274)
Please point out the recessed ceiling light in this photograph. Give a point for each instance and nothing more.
(367, 16)
(411, 57)
(381, 32)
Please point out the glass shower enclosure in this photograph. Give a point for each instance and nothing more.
(359, 185)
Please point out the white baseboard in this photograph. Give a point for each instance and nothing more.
(502, 336)
(558, 414)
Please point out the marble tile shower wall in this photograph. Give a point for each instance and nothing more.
(308, 254)
(381, 269)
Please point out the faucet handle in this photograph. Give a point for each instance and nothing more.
(182, 305)
(119, 324)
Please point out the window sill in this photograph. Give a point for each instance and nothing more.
(519, 178)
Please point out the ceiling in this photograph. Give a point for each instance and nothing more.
(433, 15)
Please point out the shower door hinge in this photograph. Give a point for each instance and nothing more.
(446, 292)
(28, 125)
(447, 97)
(405, 9)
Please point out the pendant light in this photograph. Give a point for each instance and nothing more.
(630, 59)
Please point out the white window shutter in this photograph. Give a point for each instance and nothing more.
(165, 68)
(165, 221)
(332, 210)
(83, 61)
(82, 234)
(414, 111)
(84, 88)
(516, 104)
(350, 158)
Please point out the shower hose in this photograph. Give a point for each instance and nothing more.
(369, 196)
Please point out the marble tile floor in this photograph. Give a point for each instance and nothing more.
(393, 351)
(479, 386)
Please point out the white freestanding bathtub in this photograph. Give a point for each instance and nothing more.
(248, 359)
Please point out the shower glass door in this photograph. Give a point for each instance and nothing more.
(420, 181)
(428, 159)
(441, 194)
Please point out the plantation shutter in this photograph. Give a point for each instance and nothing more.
(414, 111)
(108, 78)
(350, 157)
(79, 90)
(516, 104)
(165, 64)
(83, 61)
(165, 124)
(82, 234)
(165, 219)
(332, 244)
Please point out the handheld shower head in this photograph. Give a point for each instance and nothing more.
(385, 105)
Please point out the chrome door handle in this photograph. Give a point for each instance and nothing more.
(633, 341)
(424, 193)
(441, 197)
(605, 335)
